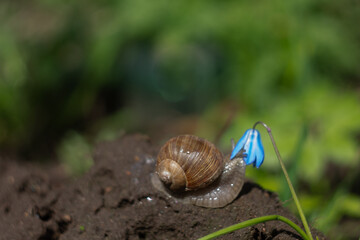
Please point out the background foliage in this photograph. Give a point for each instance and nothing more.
(76, 72)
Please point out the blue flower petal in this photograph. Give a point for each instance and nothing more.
(259, 152)
(240, 144)
(251, 143)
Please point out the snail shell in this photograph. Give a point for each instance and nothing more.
(192, 170)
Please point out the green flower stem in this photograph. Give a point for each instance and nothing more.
(292, 190)
(255, 221)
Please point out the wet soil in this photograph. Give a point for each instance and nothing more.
(115, 200)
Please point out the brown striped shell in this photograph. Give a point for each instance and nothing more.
(192, 163)
(188, 163)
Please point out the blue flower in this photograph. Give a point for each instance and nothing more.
(251, 147)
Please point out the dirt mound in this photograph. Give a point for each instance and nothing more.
(115, 200)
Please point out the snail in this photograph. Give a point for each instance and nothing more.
(193, 171)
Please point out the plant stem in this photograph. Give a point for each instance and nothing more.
(292, 190)
(255, 221)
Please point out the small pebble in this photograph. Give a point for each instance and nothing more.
(66, 218)
(108, 189)
(149, 160)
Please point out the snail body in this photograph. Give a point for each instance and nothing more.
(192, 170)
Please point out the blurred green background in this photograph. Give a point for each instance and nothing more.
(76, 72)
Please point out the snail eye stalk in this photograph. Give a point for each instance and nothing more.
(240, 154)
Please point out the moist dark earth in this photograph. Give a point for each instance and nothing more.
(115, 200)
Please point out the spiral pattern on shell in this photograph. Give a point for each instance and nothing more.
(188, 162)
